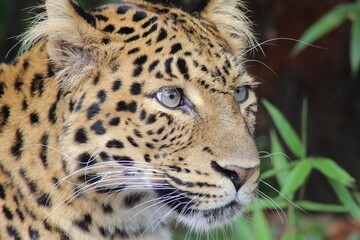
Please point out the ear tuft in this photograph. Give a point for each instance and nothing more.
(229, 17)
(71, 38)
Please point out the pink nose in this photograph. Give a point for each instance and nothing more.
(239, 175)
(236, 174)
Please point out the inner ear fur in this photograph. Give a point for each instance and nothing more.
(230, 19)
(71, 38)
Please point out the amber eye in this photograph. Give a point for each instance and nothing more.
(170, 98)
(241, 94)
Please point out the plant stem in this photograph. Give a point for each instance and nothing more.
(304, 116)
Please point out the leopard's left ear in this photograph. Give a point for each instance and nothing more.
(230, 19)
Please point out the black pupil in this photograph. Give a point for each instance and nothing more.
(172, 95)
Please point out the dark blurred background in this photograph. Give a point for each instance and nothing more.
(323, 76)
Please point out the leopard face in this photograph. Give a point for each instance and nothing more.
(151, 115)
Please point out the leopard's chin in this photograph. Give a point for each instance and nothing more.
(205, 220)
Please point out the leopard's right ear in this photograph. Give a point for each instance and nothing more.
(71, 36)
(229, 16)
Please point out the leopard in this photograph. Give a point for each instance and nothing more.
(121, 121)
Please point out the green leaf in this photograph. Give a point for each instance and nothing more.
(274, 172)
(267, 203)
(285, 129)
(345, 197)
(321, 207)
(293, 236)
(262, 229)
(331, 169)
(297, 176)
(328, 22)
(244, 229)
(355, 43)
(278, 158)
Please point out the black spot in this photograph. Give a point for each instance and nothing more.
(33, 233)
(140, 60)
(16, 149)
(101, 18)
(86, 16)
(109, 28)
(114, 121)
(24, 105)
(150, 21)
(135, 89)
(104, 156)
(80, 136)
(137, 71)
(116, 85)
(150, 145)
(37, 85)
(147, 158)
(2, 88)
(112, 189)
(5, 113)
(168, 65)
(143, 115)
(80, 104)
(122, 233)
(137, 133)
(20, 214)
(52, 113)
(162, 35)
(159, 75)
(175, 48)
(134, 50)
(107, 208)
(134, 38)
(132, 107)
(132, 199)
(106, 41)
(43, 151)
(160, 130)
(84, 223)
(181, 63)
(92, 111)
(8, 214)
(18, 84)
(101, 96)
(26, 64)
(139, 15)
(132, 141)
(153, 65)
(98, 127)
(96, 79)
(12, 232)
(122, 106)
(103, 231)
(44, 200)
(126, 30)
(124, 160)
(151, 30)
(123, 9)
(151, 119)
(159, 49)
(85, 159)
(114, 144)
(2, 192)
(34, 118)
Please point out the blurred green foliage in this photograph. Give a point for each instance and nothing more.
(330, 21)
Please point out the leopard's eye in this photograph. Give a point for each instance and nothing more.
(241, 94)
(170, 98)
